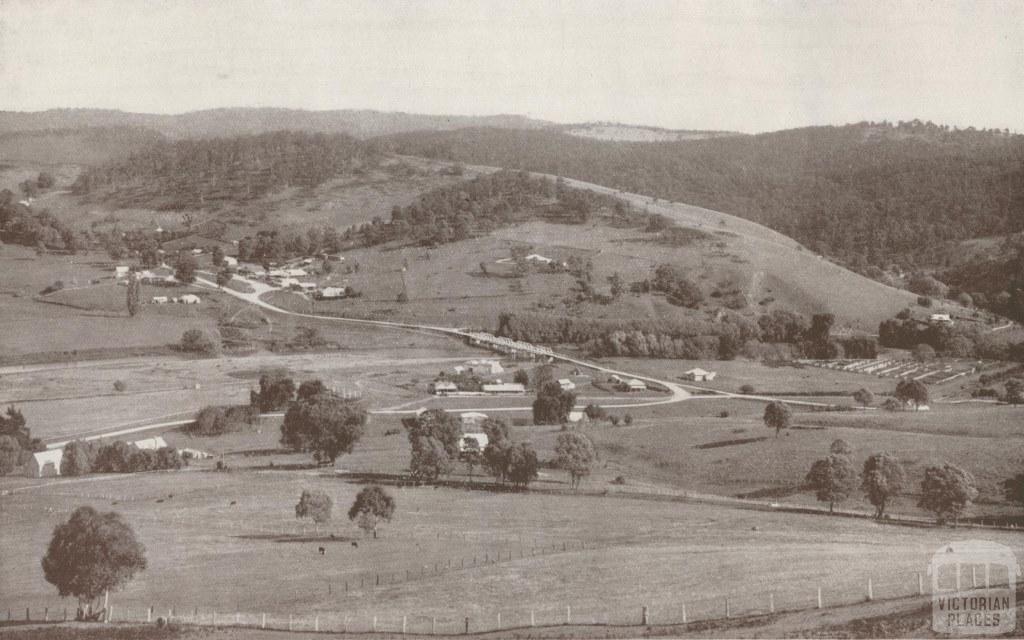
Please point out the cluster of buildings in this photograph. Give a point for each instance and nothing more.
(631, 385)
(45, 464)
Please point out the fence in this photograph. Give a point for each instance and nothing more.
(656, 611)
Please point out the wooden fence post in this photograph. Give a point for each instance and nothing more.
(374, 624)
(404, 620)
(728, 612)
(149, 615)
(643, 616)
(684, 613)
(467, 625)
(974, 576)
(46, 614)
(433, 626)
(819, 597)
(237, 617)
(289, 622)
(771, 603)
(263, 621)
(533, 621)
(871, 594)
(110, 614)
(28, 615)
(568, 614)
(316, 623)
(499, 620)
(920, 584)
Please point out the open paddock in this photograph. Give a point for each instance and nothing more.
(211, 532)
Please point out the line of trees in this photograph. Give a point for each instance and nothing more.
(946, 489)
(687, 338)
(83, 457)
(16, 442)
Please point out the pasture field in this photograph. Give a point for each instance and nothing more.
(229, 542)
(738, 455)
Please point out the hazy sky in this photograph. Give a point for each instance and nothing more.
(748, 66)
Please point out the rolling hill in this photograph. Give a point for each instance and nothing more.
(247, 121)
(864, 194)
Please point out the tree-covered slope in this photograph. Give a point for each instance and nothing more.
(865, 193)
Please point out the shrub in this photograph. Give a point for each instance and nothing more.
(723, 414)
(628, 419)
(614, 420)
(120, 385)
(196, 341)
(594, 412)
(215, 421)
(619, 480)
(747, 389)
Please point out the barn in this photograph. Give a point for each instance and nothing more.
(151, 443)
(699, 375)
(44, 464)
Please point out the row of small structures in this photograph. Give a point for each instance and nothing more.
(929, 373)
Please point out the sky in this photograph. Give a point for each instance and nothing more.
(747, 66)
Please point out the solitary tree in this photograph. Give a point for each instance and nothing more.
(499, 444)
(1014, 391)
(316, 505)
(912, 391)
(778, 416)
(185, 270)
(92, 553)
(325, 425)
(575, 453)
(10, 454)
(78, 459)
(864, 397)
(217, 256)
(522, 465)
(521, 376)
(1014, 488)
(553, 404)
(223, 277)
(371, 506)
(196, 341)
(133, 295)
(882, 480)
(276, 390)
(840, 447)
(833, 479)
(947, 491)
(434, 438)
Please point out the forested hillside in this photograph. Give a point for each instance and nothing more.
(205, 172)
(870, 193)
(85, 146)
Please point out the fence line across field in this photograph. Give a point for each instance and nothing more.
(652, 611)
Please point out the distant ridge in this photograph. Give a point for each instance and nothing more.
(241, 121)
(621, 132)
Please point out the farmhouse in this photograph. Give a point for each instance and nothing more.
(230, 262)
(44, 464)
(566, 384)
(504, 388)
(189, 298)
(699, 375)
(151, 443)
(159, 299)
(473, 442)
(442, 387)
(536, 257)
(121, 271)
(332, 293)
(307, 286)
(940, 318)
(577, 416)
(635, 385)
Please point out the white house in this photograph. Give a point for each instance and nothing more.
(197, 252)
(504, 388)
(121, 271)
(332, 293)
(442, 387)
(566, 384)
(459, 368)
(230, 262)
(159, 299)
(189, 298)
(44, 464)
(699, 375)
(473, 442)
(472, 418)
(151, 443)
(536, 257)
(576, 416)
(940, 318)
(635, 385)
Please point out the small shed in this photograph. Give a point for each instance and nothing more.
(230, 262)
(189, 298)
(45, 464)
(636, 385)
(121, 271)
(700, 375)
(442, 387)
(566, 384)
(504, 388)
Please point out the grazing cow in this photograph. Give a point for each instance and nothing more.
(321, 550)
(233, 503)
(355, 544)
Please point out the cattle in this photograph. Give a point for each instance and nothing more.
(355, 544)
(321, 550)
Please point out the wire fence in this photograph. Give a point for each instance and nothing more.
(657, 610)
